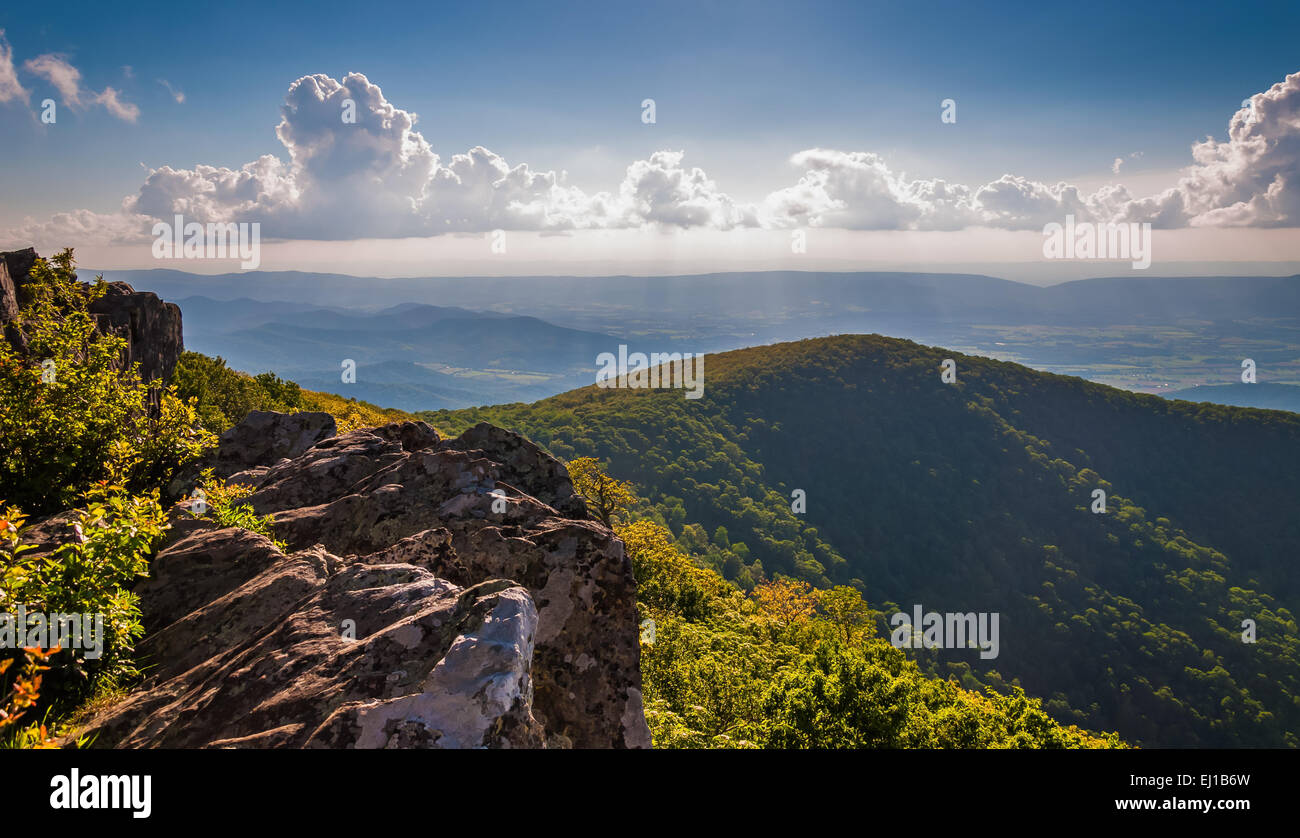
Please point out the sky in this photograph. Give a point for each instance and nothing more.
(772, 122)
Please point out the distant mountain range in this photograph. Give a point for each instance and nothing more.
(519, 338)
(768, 296)
(411, 356)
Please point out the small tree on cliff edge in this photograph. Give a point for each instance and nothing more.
(604, 495)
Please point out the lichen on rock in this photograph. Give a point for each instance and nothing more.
(407, 612)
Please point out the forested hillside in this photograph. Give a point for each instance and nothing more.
(978, 496)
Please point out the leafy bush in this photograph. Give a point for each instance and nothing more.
(24, 693)
(222, 397)
(666, 579)
(114, 536)
(70, 414)
(222, 504)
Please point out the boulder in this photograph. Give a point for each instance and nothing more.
(265, 437)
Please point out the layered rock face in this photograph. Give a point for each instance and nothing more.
(151, 327)
(436, 593)
(14, 266)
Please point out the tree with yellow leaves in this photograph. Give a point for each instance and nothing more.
(786, 601)
(605, 496)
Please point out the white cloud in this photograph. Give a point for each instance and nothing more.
(57, 71)
(858, 191)
(1253, 179)
(80, 228)
(10, 87)
(1114, 167)
(112, 101)
(178, 95)
(379, 177)
(67, 80)
(1016, 203)
(479, 190)
(660, 190)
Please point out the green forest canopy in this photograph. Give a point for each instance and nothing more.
(977, 496)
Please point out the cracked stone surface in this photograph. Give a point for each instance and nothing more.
(409, 612)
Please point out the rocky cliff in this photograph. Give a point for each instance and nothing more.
(438, 593)
(151, 327)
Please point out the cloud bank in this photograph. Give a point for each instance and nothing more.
(377, 176)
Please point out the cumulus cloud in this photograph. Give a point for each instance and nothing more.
(1252, 179)
(661, 190)
(82, 228)
(479, 190)
(10, 87)
(67, 80)
(858, 191)
(375, 175)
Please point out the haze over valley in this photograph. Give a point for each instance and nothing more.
(432, 343)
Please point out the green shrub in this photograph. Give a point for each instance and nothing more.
(17, 730)
(70, 414)
(114, 537)
(222, 505)
(222, 397)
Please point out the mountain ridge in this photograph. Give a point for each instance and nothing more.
(976, 497)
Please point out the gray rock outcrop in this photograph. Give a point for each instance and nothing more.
(435, 593)
(151, 327)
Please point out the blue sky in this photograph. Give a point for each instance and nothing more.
(1047, 92)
